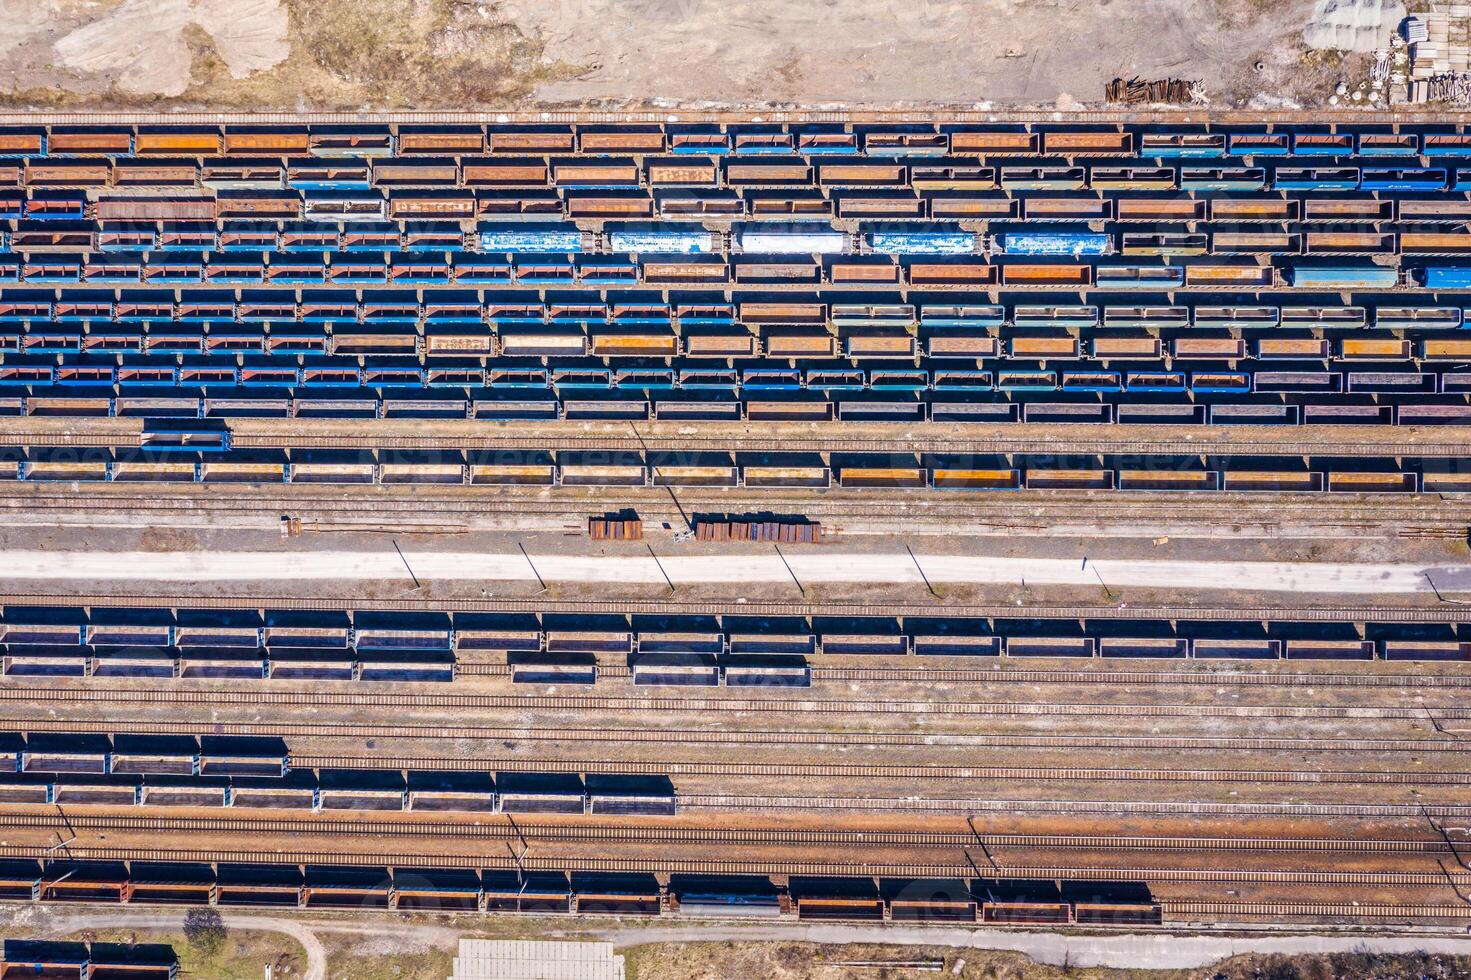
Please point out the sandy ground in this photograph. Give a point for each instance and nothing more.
(885, 50)
(142, 44)
(688, 53)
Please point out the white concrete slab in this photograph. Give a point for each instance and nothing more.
(810, 567)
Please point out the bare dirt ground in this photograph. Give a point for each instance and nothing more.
(398, 54)
(805, 961)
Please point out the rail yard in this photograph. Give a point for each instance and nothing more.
(950, 518)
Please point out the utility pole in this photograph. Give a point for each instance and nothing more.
(417, 586)
(539, 580)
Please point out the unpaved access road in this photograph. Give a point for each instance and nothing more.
(1138, 952)
(1156, 951)
(66, 923)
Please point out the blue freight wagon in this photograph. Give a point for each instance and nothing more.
(922, 242)
(191, 435)
(1194, 146)
(1446, 277)
(1446, 145)
(1416, 179)
(1388, 144)
(119, 267)
(1344, 277)
(661, 241)
(1260, 144)
(1223, 178)
(1322, 144)
(1055, 243)
(518, 238)
(1315, 178)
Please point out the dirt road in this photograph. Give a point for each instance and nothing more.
(57, 923)
(1139, 952)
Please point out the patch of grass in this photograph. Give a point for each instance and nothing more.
(206, 67)
(1342, 966)
(392, 54)
(243, 956)
(58, 97)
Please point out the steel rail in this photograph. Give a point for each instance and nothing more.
(818, 444)
(1183, 910)
(470, 827)
(820, 739)
(1416, 812)
(492, 860)
(1189, 673)
(266, 695)
(493, 439)
(939, 113)
(1008, 774)
(1335, 613)
(412, 510)
(1277, 506)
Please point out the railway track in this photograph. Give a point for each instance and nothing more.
(819, 739)
(1424, 513)
(1418, 812)
(494, 438)
(1215, 912)
(268, 696)
(657, 115)
(810, 444)
(871, 771)
(504, 829)
(1439, 613)
(492, 860)
(1008, 674)
(1151, 678)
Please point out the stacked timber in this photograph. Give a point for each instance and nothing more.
(1134, 91)
(615, 529)
(780, 532)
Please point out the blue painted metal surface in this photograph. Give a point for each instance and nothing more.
(1446, 277)
(511, 238)
(1344, 277)
(669, 241)
(922, 242)
(1055, 243)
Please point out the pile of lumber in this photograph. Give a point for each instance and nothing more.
(1134, 91)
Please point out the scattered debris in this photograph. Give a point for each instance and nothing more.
(1453, 87)
(1134, 91)
(1379, 71)
(919, 966)
(1440, 53)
